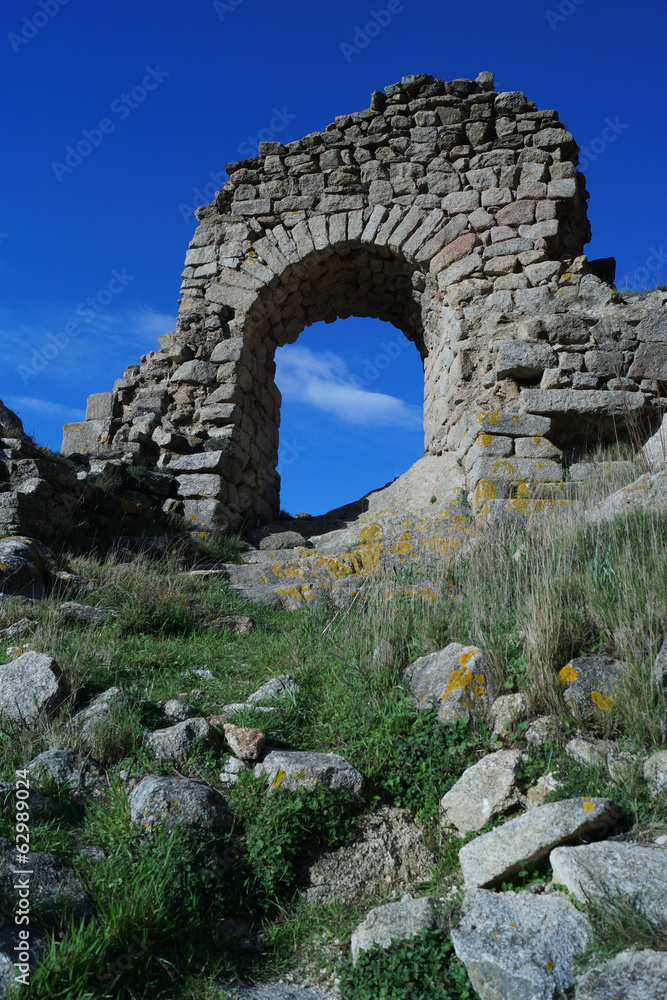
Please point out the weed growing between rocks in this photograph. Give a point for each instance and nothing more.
(421, 966)
(531, 600)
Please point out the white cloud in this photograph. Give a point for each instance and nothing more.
(44, 408)
(324, 382)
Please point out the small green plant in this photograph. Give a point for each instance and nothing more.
(420, 967)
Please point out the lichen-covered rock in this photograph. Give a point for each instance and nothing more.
(25, 567)
(503, 851)
(395, 922)
(453, 679)
(648, 493)
(64, 768)
(179, 802)
(517, 946)
(488, 788)
(247, 744)
(630, 975)
(177, 744)
(294, 769)
(387, 855)
(632, 872)
(41, 806)
(590, 683)
(30, 686)
(54, 887)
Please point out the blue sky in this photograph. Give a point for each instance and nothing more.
(166, 93)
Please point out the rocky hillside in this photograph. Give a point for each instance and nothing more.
(443, 774)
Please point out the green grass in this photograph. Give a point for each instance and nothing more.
(530, 599)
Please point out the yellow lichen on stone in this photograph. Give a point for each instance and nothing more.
(603, 701)
(567, 674)
(280, 777)
(484, 491)
(371, 532)
(588, 806)
(484, 440)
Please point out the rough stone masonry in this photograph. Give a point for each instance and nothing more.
(455, 213)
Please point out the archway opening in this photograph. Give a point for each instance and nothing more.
(351, 414)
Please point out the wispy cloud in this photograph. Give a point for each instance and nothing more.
(324, 382)
(31, 406)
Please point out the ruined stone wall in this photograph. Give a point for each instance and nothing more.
(449, 210)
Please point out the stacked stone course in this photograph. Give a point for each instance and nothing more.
(449, 210)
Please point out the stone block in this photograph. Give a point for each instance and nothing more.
(202, 485)
(87, 437)
(100, 406)
(515, 470)
(524, 359)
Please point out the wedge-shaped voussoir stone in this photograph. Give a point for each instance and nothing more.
(632, 872)
(504, 851)
(516, 946)
(294, 769)
(453, 679)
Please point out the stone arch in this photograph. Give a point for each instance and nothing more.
(434, 200)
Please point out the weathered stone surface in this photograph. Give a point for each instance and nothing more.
(177, 744)
(592, 402)
(179, 710)
(516, 946)
(97, 711)
(655, 771)
(648, 493)
(84, 613)
(452, 679)
(243, 624)
(506, 711)
(9, 940)
(388, 855)
(660, 668)
(635, 874)
(247, 744)
(283, 540)
(523, 359)
(277, 687)
(590, 683)
(395, 922)
(540, 790)
(483, 791)
(30, 686)
(64, 768)
(294, 769)
(502, 852)
(630, 975)
(179, 802)
(25, 567)
(54, 887)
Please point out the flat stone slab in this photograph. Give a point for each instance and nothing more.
(179, 802)
(517, 946)
(395, 922)
(294, 769)
(630, 975)
(452, 678)
(594, 871)
(504, 851)
(483, 791)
